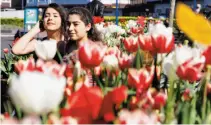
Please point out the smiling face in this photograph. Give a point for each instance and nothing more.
(52, 20)
(77, 29)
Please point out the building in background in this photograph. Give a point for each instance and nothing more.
(5, 4)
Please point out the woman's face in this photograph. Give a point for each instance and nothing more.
(77, 30)
(52, 20)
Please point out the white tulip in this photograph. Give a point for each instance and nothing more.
(110, 62)
(46, 50)
(37, 93)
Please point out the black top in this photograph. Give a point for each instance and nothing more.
(96, 8)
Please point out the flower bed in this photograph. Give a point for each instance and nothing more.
(138, 76)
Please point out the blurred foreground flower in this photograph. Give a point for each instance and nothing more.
(36, 93)
(46, 50)
(137, 117)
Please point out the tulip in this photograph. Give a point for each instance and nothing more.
(84, 104)
(36, 93)
(137, 117)
(145, 42)
(207, 54)
(140, 79)
(6, 50)
(131, 44)
(191, 70)
(49, 67)
(91, 54)
(162, 39)
(112, 98)
(176, 58)
(110, 62)
(125, 61)
(25, 65)
(46, 50)
(160, 100)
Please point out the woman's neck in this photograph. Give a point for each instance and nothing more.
(55, 35)
(84, 39)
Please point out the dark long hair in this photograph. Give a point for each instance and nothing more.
(86, 17)
(63, 14)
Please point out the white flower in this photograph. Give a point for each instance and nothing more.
(131, 23)
(110, 61)
(36, 92)
(137, 117)
(46, 50)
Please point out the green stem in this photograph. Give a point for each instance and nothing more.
(60, 56)
(44, 118)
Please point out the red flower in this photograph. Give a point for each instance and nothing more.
(160, 100)
(91, 54)
(6, 50)
(190, 70)
(131, 44)
(207, 54)
(47, 67)
(145, 42)
(162, 44)
(140, 79)
(136, 30)
(115, 97)
(84, 104)
(97, 19)
(186, 94)
(141, 21)
(125, 61)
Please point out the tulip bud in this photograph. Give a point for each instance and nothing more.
(6, 50)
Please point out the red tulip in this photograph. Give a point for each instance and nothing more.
(6, 50)
(51, 67)
(190, 70)
(145, 42)
(91, 54)
(119, 94)
(125, 61)
(186, 94)
(162, 44)
(84, 104)
(140, 79)
(131, 44)
(97, 19)
(114, 97)
(162, 39)
(22, 65)
(136, 30)
(207, 54)
(141, 21)
(160, 100)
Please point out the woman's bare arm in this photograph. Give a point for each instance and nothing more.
(26, 43)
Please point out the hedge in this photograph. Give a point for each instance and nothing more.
(12, 21)
(19, 22)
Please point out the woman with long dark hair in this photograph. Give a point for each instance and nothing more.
(80, 28)
(53, 22)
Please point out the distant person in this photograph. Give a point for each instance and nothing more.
(96, 8)
(198, 8)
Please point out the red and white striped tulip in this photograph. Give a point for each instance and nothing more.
(140, 79)
(131, 44)
(125, 61)
(162, 39)
(91, 54)
(191, 70)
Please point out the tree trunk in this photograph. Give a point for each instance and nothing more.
(171, 16)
